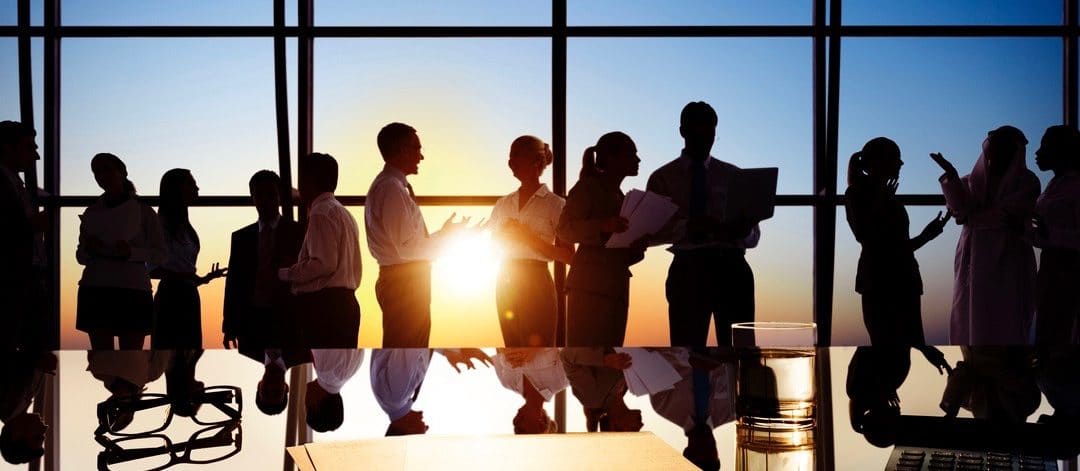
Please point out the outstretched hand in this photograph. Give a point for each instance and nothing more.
(936, 358)
(935, 227)
(945, 165)
(452, 226)
(215, 272)
(891, 185)
(466, 356)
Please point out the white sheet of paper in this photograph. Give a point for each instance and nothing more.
(752, 194)
(647, 213)
(651, 369)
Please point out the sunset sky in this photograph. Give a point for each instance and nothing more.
(208, 105)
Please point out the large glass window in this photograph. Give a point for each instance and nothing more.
(433, 13)
(930, 12)
(191, 13)
(687, 12)
(202, 104)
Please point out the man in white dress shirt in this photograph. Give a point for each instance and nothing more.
(398, 239)
(397, 375)
(333, 368)
(327, 272)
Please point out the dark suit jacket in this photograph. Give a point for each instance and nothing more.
(16, 265)
(242, 319)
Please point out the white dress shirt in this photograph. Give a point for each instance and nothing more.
(335, 366)
(673, 180)
(396, 376)
(544, 370)
(540, 215)
(677, 404)
(132, 222)
(330, 254)
(396, 232)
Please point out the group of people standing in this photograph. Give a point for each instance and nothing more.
(999, 297)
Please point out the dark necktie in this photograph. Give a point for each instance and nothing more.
(412, 194)
(699, 200)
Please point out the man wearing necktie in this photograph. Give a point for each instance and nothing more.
(709, 279)
(258, 312)
(399, 240)
(701, 401)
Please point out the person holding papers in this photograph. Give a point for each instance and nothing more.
(598, 284)
(525, 221)
(702, 400)
(597, 378)
(709, 277)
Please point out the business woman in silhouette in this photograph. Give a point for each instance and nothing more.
(888, 274)
(177, 308)
(118, 236)
(525, 222)
(598, 284)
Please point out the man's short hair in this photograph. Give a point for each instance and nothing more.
(327, 415)
(264, 177)
(272, 408)
(321, 169)
(391, 137)
(698, 112)
(12, 131)
(14, 452)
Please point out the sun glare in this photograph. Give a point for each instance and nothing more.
(468, 264)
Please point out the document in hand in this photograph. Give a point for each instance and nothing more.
(752, 194)
(649, 372)
(647, 213)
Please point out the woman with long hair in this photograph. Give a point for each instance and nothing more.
(118, 236)
(598, 283)
(888, 275)
(525, 221)
(177, 308)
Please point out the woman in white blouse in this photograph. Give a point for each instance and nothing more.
(118, 235)
(525, 222)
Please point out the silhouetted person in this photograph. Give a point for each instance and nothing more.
(709, 278)
(1057, 232)
(333, 368)
(125, 374)
(993, 382)
(22, 437)
(994, 289)
(874, 376)
(525, 220)
(177, 307)
(259, 311)
(597, 380)
(1058, 376)
(537, 375)
(598, 283)
(23, 224)
(118, 236)
(888, 275)
(272, 394)
(701, 401)
(398, 239)
(327, 273)
(397, 375)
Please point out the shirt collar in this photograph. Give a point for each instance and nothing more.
(12, 176)
(686, 160)
(273, 224)
(393, 172)
(322, 198)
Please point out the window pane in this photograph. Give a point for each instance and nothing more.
(687, 12)
(935, 265)
(9, 12)
(190, 13)
(467, 98)
(209, 107)
(760, 89)
(9, 79)
(214, 226)
(943, 95)
(783, 287)
(433, 13)
(970, 12)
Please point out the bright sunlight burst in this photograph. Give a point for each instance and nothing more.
(468, 264)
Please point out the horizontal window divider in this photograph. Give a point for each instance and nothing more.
(538, 31)
(482, 200)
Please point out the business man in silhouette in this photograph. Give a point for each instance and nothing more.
(709, 278)
(21, 322)
(259, 311)
(22, 377)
